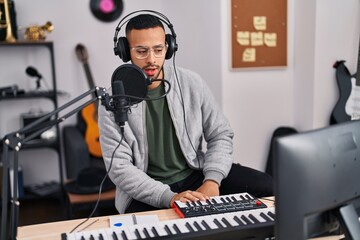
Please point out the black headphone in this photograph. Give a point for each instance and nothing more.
(121, 44)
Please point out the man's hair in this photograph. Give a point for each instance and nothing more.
(143, 21)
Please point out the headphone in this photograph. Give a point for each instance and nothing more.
(121, 44)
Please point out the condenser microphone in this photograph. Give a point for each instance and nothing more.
(129, 86)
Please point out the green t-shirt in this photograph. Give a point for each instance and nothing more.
(166, 160)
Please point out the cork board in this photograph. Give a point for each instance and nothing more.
(259, 33)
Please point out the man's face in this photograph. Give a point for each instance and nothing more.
(152, 40)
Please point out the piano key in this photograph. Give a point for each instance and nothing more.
(209, 221)
(217, 222)
(246, 219)
(160, 228)
(181, 225)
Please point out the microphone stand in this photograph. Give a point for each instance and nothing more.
(15, 141)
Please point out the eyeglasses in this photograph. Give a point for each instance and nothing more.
(143, 52)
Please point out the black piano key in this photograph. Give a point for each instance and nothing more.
(237, 219)
(188, 204)
(82, 238)
(197, 226)
(248, 196)
(153, 229)
(233, 198)
(228, 199)
(218, 223)
(137, 233)
(147, 235)
(226, 222)
(252, 217)
(242, 197)
(271, 214)
(189, 227)
(115, 237)
(64, 236)
(167, 229)
(264, 216)
(92, 237)
(176, 228)
(206, 226)
(123, 234)
(222, 199)
(243, 217)
(101, 237)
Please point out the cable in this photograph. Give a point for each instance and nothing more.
(183, 108)
(100, 188)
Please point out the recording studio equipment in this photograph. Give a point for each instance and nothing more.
(9, 90)
(252, 224)
(32, 72)
(15, 141)
(217, 205)
(317, 179)
(121, 44)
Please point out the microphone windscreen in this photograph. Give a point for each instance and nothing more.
(134, 80)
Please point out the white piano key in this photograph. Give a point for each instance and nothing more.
(181, 204)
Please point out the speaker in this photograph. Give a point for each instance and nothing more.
(121, 44)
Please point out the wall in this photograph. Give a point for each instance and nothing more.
(256, 101)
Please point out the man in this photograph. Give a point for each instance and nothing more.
(160, 159)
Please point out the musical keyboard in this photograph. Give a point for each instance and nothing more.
(248, 224)
(219, 204)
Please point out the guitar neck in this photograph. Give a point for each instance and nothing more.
(89, 76)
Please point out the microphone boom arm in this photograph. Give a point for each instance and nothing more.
(15, 141)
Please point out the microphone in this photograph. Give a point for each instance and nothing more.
(129, 86)
(32, 72)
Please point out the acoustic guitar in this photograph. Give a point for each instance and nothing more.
(89, 113)
(347, 107)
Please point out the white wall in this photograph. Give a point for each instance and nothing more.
(256, 101)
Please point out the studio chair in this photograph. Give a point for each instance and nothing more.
(84, 173)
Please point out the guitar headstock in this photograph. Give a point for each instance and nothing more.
(81, 53)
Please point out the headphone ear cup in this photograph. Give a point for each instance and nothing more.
(172, 46)
(123, 49)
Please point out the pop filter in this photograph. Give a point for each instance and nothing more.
(134, 80)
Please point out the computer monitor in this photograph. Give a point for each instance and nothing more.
(317, 182)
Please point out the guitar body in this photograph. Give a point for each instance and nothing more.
(92, 135)
(343, 109)
(89, 113)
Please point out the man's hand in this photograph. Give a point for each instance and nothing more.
(189, 196)
(209, 188)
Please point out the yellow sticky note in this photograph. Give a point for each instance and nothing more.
(270, 39)
(257, 39)
(243, 38)
(249, 55)
(259, 22)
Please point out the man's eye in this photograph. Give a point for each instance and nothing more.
(142, 51)
(158, 50)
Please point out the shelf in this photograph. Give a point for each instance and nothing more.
(39, 94)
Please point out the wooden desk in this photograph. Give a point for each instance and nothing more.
(53, 230)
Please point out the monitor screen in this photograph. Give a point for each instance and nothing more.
(317, 182)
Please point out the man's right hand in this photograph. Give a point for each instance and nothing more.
(188, 196)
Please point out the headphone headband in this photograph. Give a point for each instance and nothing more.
(121, 46)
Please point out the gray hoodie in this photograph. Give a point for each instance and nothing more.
(204, 121)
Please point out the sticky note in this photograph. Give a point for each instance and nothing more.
(270, 39)
(257, 39)
(243, 38)
(249, 55)
(259, 23)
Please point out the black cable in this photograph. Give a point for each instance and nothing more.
(100, 188)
